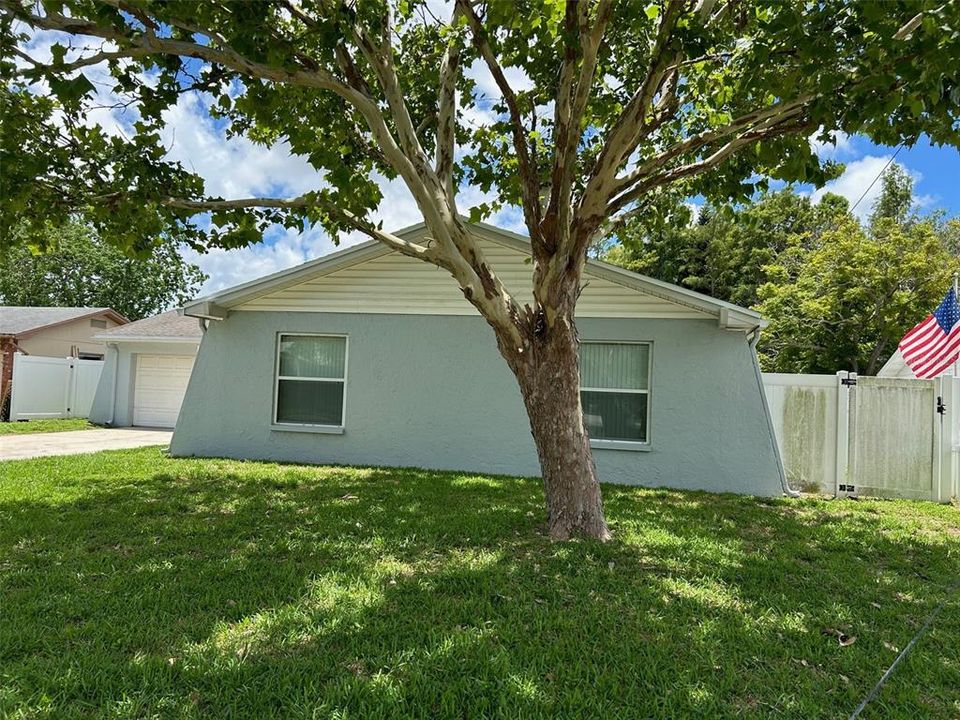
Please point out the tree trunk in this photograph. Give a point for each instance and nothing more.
(549, 378)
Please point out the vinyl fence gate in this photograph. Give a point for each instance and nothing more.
(883, 437)
(47, 387)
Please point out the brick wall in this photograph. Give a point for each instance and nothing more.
(7, 345)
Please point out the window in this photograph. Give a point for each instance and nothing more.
(311, 380)
(615, 390)
(98, 324)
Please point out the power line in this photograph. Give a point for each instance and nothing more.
(892, 158)
(906, 651)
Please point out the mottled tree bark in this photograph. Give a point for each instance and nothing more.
(548, 372)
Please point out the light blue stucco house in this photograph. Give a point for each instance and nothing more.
(367, 357)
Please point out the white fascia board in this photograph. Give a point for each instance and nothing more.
(205, 309)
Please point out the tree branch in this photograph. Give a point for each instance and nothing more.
(456, 252)
(303, 202)
(529, 175)
(591, 34)
(699, 166)
(380, 57)
(758, 118)
(149, 44)
(556, 221)
(447, 110)
(630, 127)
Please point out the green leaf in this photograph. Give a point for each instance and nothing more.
(70, 90)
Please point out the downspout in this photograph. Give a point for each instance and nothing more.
(752, 341)
(113, 382)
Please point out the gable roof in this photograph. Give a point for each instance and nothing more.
(219, 304)
(21, 321)
(170, 326)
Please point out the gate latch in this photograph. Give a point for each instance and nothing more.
(849, 381)
(941, 407)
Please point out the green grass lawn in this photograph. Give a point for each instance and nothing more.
(136, 586)
(45, 426)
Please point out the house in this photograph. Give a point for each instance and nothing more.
(896, 367)
(58, 332)
(147, 368)
(368, 357)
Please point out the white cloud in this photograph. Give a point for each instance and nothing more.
(855, 180)
(841, 145)
(233, 167)
(486, 85)
(283, 248)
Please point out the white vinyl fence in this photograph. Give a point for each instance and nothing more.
(850, 435)
(46, 387)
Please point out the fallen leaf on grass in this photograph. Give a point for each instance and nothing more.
(842, 638)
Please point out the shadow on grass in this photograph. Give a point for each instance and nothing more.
(216, 588)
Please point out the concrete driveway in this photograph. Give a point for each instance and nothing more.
(18, 447)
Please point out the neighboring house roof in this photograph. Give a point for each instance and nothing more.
(896, 367)
(171, 326)
(219, 304)
(23, 321)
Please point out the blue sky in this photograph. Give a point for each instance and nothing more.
(935, 171)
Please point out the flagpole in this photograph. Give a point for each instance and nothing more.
(956, 281)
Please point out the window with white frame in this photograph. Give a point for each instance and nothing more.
(311, 380)
(615, 390)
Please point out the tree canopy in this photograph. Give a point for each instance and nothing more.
(724, 252)
(636, 97)
(839, 293)
(843, 298)
(69, 266)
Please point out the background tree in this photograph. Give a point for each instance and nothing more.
(68, 266)
(839, 294)
(842, 300)
(628, 103)
(726, 251)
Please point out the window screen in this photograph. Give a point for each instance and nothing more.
(311, 379)
(615, 390)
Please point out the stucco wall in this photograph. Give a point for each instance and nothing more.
(432, 391)
(61, 340)
(121, 363)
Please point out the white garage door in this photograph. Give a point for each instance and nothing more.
(158, 392)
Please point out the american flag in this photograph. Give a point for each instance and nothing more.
(934, 344)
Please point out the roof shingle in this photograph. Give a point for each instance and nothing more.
(171, 324)
(15, 320)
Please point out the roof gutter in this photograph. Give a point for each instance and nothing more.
(113, 382)
(148, 338)
(206, 310)
(752, 340)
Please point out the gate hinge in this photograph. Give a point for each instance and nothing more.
(849, 381)
(941, 406)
